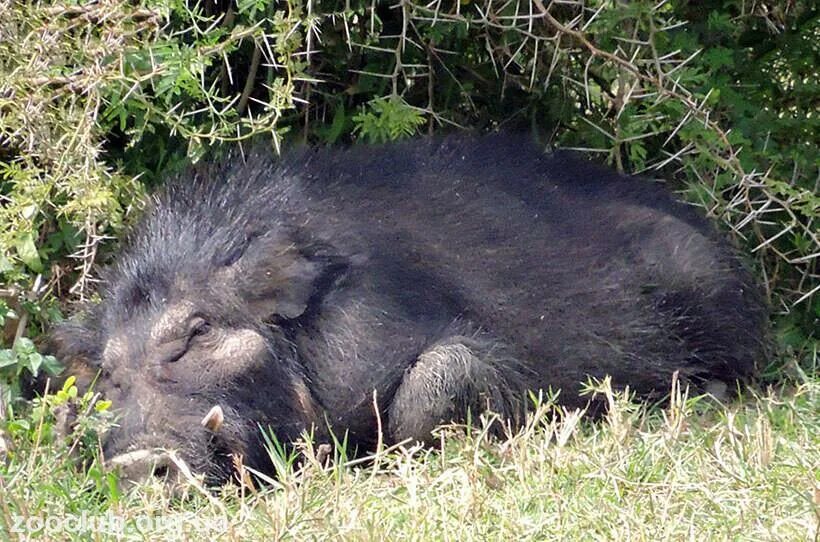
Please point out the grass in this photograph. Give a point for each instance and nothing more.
(695, 470)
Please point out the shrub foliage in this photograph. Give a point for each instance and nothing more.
(100, 100)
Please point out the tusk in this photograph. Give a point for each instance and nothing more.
(213, 419)
(137, 456)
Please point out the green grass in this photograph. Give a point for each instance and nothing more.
(693, 471)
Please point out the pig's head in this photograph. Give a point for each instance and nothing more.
(187, 340)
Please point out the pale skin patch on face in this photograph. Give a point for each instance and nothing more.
(240, 349)
(171, 320)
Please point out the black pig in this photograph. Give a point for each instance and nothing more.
(447, 275)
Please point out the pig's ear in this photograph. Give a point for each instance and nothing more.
(280, 278)
(77, 347)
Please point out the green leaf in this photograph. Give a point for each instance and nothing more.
(7, 358)
(69, 382)
(337, 126)
(27, 252)
(5, 264)
(112, 484)
(18, 426)
(52, 366)
(24, 345)
(34, 362)
(29, 211)
(718, 57)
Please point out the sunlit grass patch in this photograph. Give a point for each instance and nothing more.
(694, 470)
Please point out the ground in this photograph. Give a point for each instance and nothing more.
(695, 470)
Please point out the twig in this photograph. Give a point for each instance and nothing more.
(246, 92)
(4, 447)
(380, 436)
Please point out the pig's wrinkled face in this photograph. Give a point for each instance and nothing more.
(183, 343)
(182, 378)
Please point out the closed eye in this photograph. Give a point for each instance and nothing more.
(174, 349)
(171, 351)
(201, 327)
